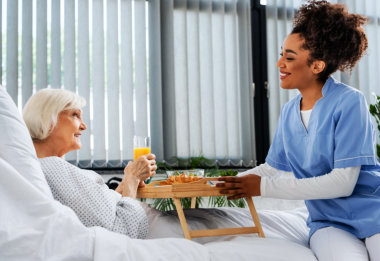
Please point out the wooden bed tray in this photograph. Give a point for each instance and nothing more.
(200, 188)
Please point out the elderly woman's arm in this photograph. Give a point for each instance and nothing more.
(85, 192)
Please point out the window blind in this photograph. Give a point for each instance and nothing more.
(95, 48)
(206, 81)
(177, 70)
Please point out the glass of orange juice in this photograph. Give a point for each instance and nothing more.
(141, 146)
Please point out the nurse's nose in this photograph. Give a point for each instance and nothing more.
(280, 62)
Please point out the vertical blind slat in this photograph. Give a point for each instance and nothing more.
(69, 44)
(98, 84)
(84, 79)
(12, 50)
(232, 90)
(155, 81)
(376, 47)
(206, 85)
(114, 156)
(41, 45)
(194, 96)
(282, 33)
(27, 50)
(55, 66)
(274, 101)
(180, 79)
(371, 29)
(69, 58)
(141, 127)
(246, 93)
(219, 80)
(168, 79)
(126, 75)
(1, 42)
(363, 65)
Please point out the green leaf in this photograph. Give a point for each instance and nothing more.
(374, 109)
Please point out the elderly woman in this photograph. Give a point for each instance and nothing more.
(54, 120)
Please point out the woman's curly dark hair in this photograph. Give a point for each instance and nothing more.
(331, 34)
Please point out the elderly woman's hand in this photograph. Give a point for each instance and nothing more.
(135, 173)
(142, 168)
(240, 187)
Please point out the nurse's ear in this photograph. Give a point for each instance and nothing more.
(318, 66)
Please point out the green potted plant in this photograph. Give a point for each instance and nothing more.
(374, 109)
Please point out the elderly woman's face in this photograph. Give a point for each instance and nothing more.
(295, 73)
(66, 134)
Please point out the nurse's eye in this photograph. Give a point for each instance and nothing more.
(289, 59)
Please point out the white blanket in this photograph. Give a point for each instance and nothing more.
(289, 225)
(35, 227)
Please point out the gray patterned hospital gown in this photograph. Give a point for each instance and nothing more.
(95, 204)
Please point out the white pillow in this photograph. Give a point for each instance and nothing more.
(17, 146)
(35, 227)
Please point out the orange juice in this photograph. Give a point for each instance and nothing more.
(137, 152)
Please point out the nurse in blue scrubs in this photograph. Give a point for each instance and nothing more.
(324, 143)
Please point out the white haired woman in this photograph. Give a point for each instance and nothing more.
(54, 120)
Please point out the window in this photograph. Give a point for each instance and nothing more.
(180, 71)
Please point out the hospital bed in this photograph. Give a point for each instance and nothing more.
(33, 226)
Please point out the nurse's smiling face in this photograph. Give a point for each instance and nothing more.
(295, 73)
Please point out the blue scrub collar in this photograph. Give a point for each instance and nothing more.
(325, 89)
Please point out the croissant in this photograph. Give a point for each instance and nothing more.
(182, 178)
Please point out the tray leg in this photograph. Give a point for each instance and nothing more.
(255, 217)
(182, 219)
(193, 202)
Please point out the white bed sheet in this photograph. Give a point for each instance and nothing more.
(286, 233)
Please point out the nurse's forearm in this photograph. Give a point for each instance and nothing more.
(338, 183)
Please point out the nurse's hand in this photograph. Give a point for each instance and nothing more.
(240, 187)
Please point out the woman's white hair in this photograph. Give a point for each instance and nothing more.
(42, 109)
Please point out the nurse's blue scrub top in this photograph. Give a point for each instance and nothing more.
(340, 134)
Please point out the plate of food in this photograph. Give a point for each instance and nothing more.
(188, 172)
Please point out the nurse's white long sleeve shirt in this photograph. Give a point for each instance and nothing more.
(281, 184)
